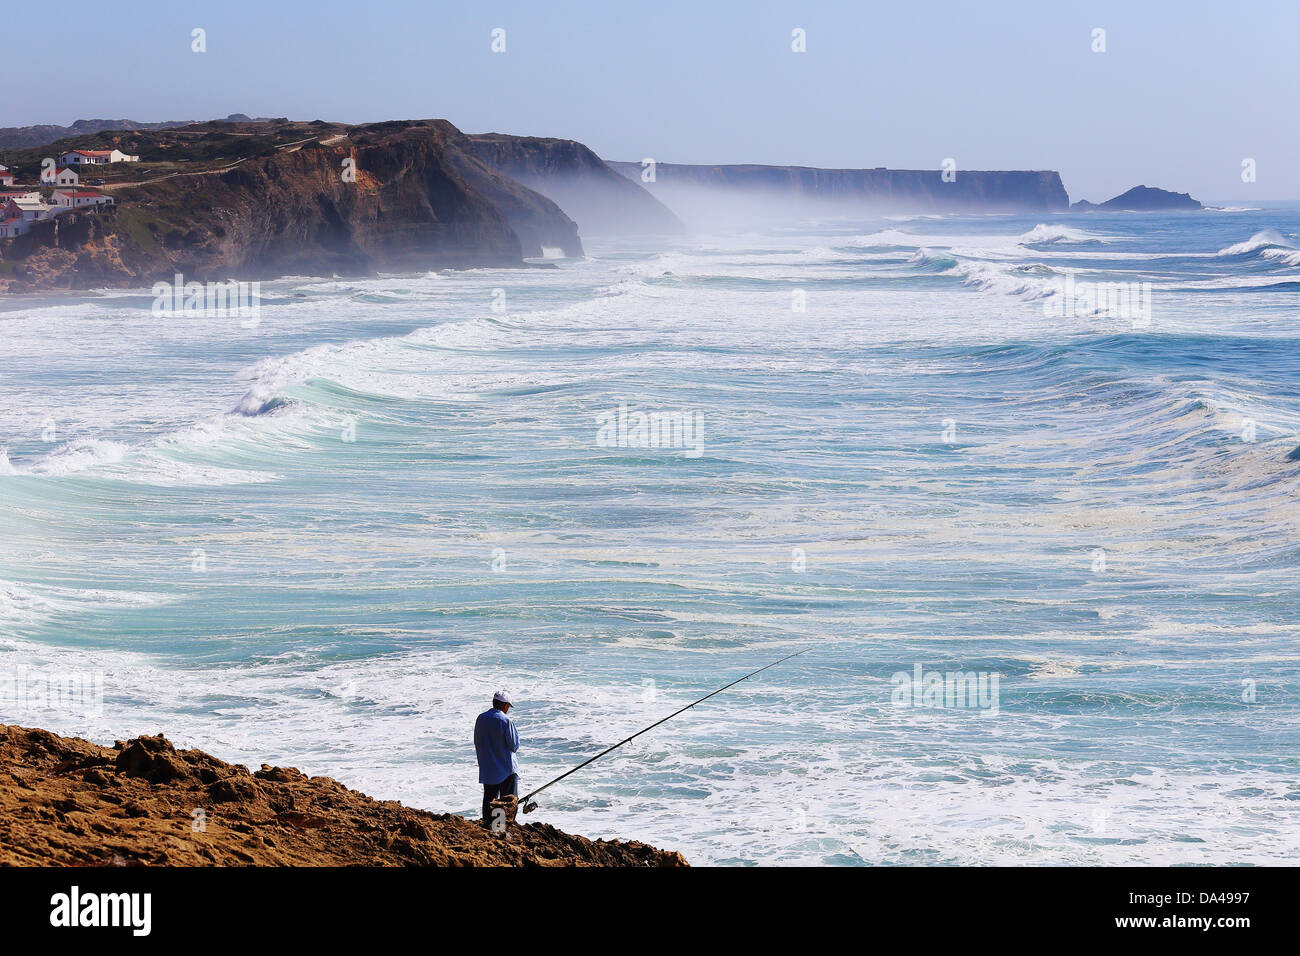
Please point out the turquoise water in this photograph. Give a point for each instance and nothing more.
(324, 541)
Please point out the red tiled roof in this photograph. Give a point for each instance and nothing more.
(92, 152)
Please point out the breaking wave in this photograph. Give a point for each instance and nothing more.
(1045, 235)
(260, 400)
(1267, 244)
(367, 602)
(1030, 280)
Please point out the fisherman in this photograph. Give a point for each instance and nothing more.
(495, 742)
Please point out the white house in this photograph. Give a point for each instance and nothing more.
(96, 157)
(86, 157)
(6, 177)
(9, 228)
(18, 194)
(66, 199)
(28, 210)
(61, 177)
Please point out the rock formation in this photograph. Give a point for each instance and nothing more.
(68, 802)
(601, 201)
(1140, 199)
(419, 199)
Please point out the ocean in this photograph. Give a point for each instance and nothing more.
(324, 538)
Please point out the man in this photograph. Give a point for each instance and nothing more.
(495, 742)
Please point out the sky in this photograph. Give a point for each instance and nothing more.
(1183, 94)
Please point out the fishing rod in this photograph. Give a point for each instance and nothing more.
(529, 806)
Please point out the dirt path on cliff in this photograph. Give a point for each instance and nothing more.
(290, 147)
(66, 801)
(147, 182)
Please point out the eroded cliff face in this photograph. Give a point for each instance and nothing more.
(415, 198)
(600, 200)
(542, 224)
(699, 191)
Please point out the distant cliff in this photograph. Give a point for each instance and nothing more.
(420, 199)
(600, 200)
(1141, 199)
(805, 189)
(24, 137)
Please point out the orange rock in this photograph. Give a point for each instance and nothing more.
(143, 802)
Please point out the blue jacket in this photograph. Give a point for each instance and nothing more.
(495, 742)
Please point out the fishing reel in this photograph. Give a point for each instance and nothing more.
(530, 806)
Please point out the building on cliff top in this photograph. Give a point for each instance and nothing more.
(96, 157)
(60, 177)
(6, 177)
(28, 210)
(76, 198)
(18, 210)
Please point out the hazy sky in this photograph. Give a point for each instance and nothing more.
(1184, 92)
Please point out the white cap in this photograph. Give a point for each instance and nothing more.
(501, 697)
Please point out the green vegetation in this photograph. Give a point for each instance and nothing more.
(214, 148)
(215, 144)
(140, 226)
